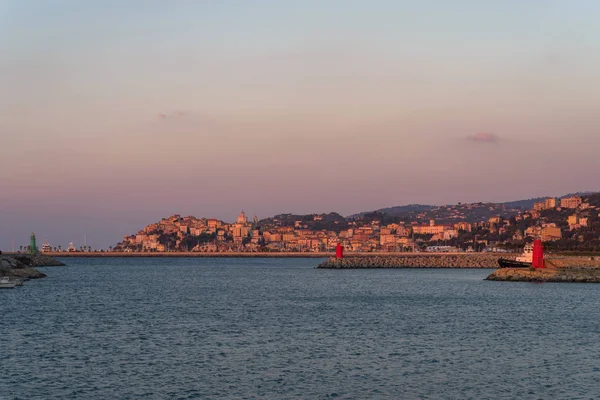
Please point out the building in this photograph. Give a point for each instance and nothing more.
(463, 226)
(385, 231)
(242, 219)
(533, 231)
(573, 219)
(450, 234)
(550, 233)
(546, 204)
(213, 224)
(570, 202)
(386, 239)
(431, 229)
(494, 220)
(550, 203)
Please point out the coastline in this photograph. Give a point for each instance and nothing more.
(257, 254)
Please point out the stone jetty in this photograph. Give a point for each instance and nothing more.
(23, 265)
(424, 260)
(560, 269)
(37, 260)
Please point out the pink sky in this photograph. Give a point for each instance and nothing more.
(109, 123)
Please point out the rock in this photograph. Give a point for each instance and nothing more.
(24, 273)
(10, 262)
(469, 260)
(580, 275)
(37, 260)
(21, 265)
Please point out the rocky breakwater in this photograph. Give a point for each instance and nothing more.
(564, 269)
(466, 260)
(23, 265)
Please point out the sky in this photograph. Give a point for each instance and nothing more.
(114, 114)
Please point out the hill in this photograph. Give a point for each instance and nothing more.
(470, 212)
(316, 222)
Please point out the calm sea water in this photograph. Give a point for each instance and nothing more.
(281, 329)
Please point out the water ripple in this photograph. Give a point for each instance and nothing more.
(280, 329)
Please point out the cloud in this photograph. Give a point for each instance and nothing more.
(483, 137)
(171, 115)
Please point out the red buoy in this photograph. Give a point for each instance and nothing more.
(339, 251)
(538, 255)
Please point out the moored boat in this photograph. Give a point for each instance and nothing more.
(6, 283)
(522, 261)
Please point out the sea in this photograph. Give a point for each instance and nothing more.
(271, 328)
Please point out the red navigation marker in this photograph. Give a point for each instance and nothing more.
(538, 255)
(339, 251)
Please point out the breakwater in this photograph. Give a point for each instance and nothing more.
(558, 269)
(571, 274)
(36, 260)
(235, 254)
(420, 260)
(191, 254)
(23, 265)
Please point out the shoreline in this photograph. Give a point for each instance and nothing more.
(255, 255)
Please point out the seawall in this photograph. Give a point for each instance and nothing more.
(573, 274)
(23, 265)
(558, 269)
(36, 260)
(241, 254)
(420, 260)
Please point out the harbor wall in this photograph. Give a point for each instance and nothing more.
(570, 274)
(23, 265)
(242, 254)
(422, 260)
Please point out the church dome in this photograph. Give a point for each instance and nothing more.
(242, 218)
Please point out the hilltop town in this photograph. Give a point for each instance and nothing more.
(569, 223)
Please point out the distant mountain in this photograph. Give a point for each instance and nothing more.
(471, 212)
(399, 210)
(523, 204)
(396, 211)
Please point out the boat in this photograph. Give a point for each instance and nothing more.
(522, 261)
(46, 248)
(6, 283)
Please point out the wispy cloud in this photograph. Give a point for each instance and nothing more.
(174, 114)
(483, 137)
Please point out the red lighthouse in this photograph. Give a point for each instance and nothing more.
(339, 251)
(538, 255)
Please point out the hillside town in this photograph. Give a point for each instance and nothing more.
(569, 223)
